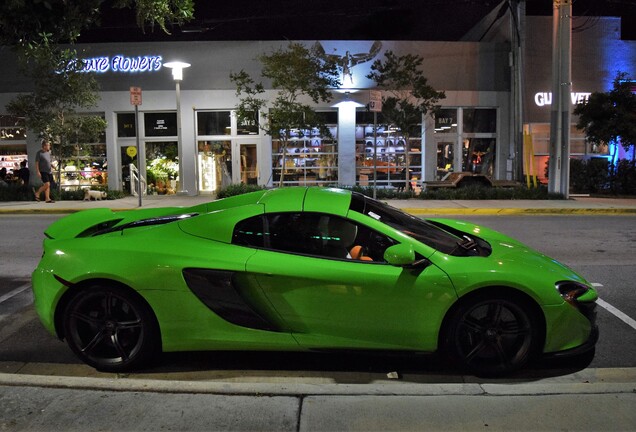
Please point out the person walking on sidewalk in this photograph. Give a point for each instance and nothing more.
(43, 169)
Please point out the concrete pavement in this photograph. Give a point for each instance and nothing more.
(576, 205)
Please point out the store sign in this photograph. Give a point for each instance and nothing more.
(122, 64)
(544, 98)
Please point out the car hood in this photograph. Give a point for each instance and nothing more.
(509, 255)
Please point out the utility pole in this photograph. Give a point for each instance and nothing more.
(517, 31)
(559, 171)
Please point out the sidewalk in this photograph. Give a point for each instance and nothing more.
(577, 205)
(593, 399)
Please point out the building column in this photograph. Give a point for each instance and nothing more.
(347, 143)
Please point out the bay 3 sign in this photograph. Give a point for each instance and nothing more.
(123, 64)
(542, 99)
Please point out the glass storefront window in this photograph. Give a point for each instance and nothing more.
(391, 152)
(248, 126)
(540, 135)
(445, 151)
(446, 120)
(215, 165)
(480, 120)
(478, 155)
(540, 147)
(578, 143)
(160, 124)
(83, 163)
(309, 157)
(13, 149)
(10, 129)
(126, 125)
(128, 156)
(214, 123)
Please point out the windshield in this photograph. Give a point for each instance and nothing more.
(421, 230)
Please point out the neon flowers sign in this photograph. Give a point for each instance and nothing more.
(122, 64)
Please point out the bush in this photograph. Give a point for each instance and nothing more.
(237, 189)
(25, 193)
(477, 192)
(16, 193)
(598, 176)
(380, 193)
(623, 178)
(474, 192)
(589, 176)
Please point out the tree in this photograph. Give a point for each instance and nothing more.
(410, 96)
(23, 22)
(610, 116)
(59, 89)
(296, 73)
(36, 28)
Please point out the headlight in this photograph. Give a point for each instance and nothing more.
(571, 291)
(579, 296)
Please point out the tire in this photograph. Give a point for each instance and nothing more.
(491, 335)
(111, 328)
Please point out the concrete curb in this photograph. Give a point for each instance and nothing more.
(414, 211)
(52, 210)
(519, 211)
(610, 381)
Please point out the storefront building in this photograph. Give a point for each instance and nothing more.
(218, 150)
(598, 54)
(472, 131)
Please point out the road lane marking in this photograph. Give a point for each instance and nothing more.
(618, 314)
(15, 292)
(611, 309)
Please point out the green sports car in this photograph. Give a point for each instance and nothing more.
(304, 269)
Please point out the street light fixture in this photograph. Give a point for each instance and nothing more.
(177, 74)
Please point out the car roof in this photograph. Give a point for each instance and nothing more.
(309, 199)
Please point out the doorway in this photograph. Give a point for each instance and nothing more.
(246, 163)
(214, 159)
(162, 167)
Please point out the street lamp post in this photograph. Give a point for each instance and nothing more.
(177, 74)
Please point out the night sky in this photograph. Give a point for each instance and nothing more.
(432, 20)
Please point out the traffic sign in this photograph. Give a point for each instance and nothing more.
(135, 95)
(375, 101)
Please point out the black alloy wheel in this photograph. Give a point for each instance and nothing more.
(493, 335)
(110, 328)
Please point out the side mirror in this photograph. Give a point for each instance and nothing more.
(400, 255)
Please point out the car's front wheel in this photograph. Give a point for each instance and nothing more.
(110, 328)
(492, 334)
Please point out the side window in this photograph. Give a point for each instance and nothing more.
(325, 236)
(310, 234)
(249, 232)
(370, 245)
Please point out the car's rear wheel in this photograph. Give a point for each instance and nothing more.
(492, 334)
(110, 328)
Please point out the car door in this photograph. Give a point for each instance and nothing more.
(330, 300)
